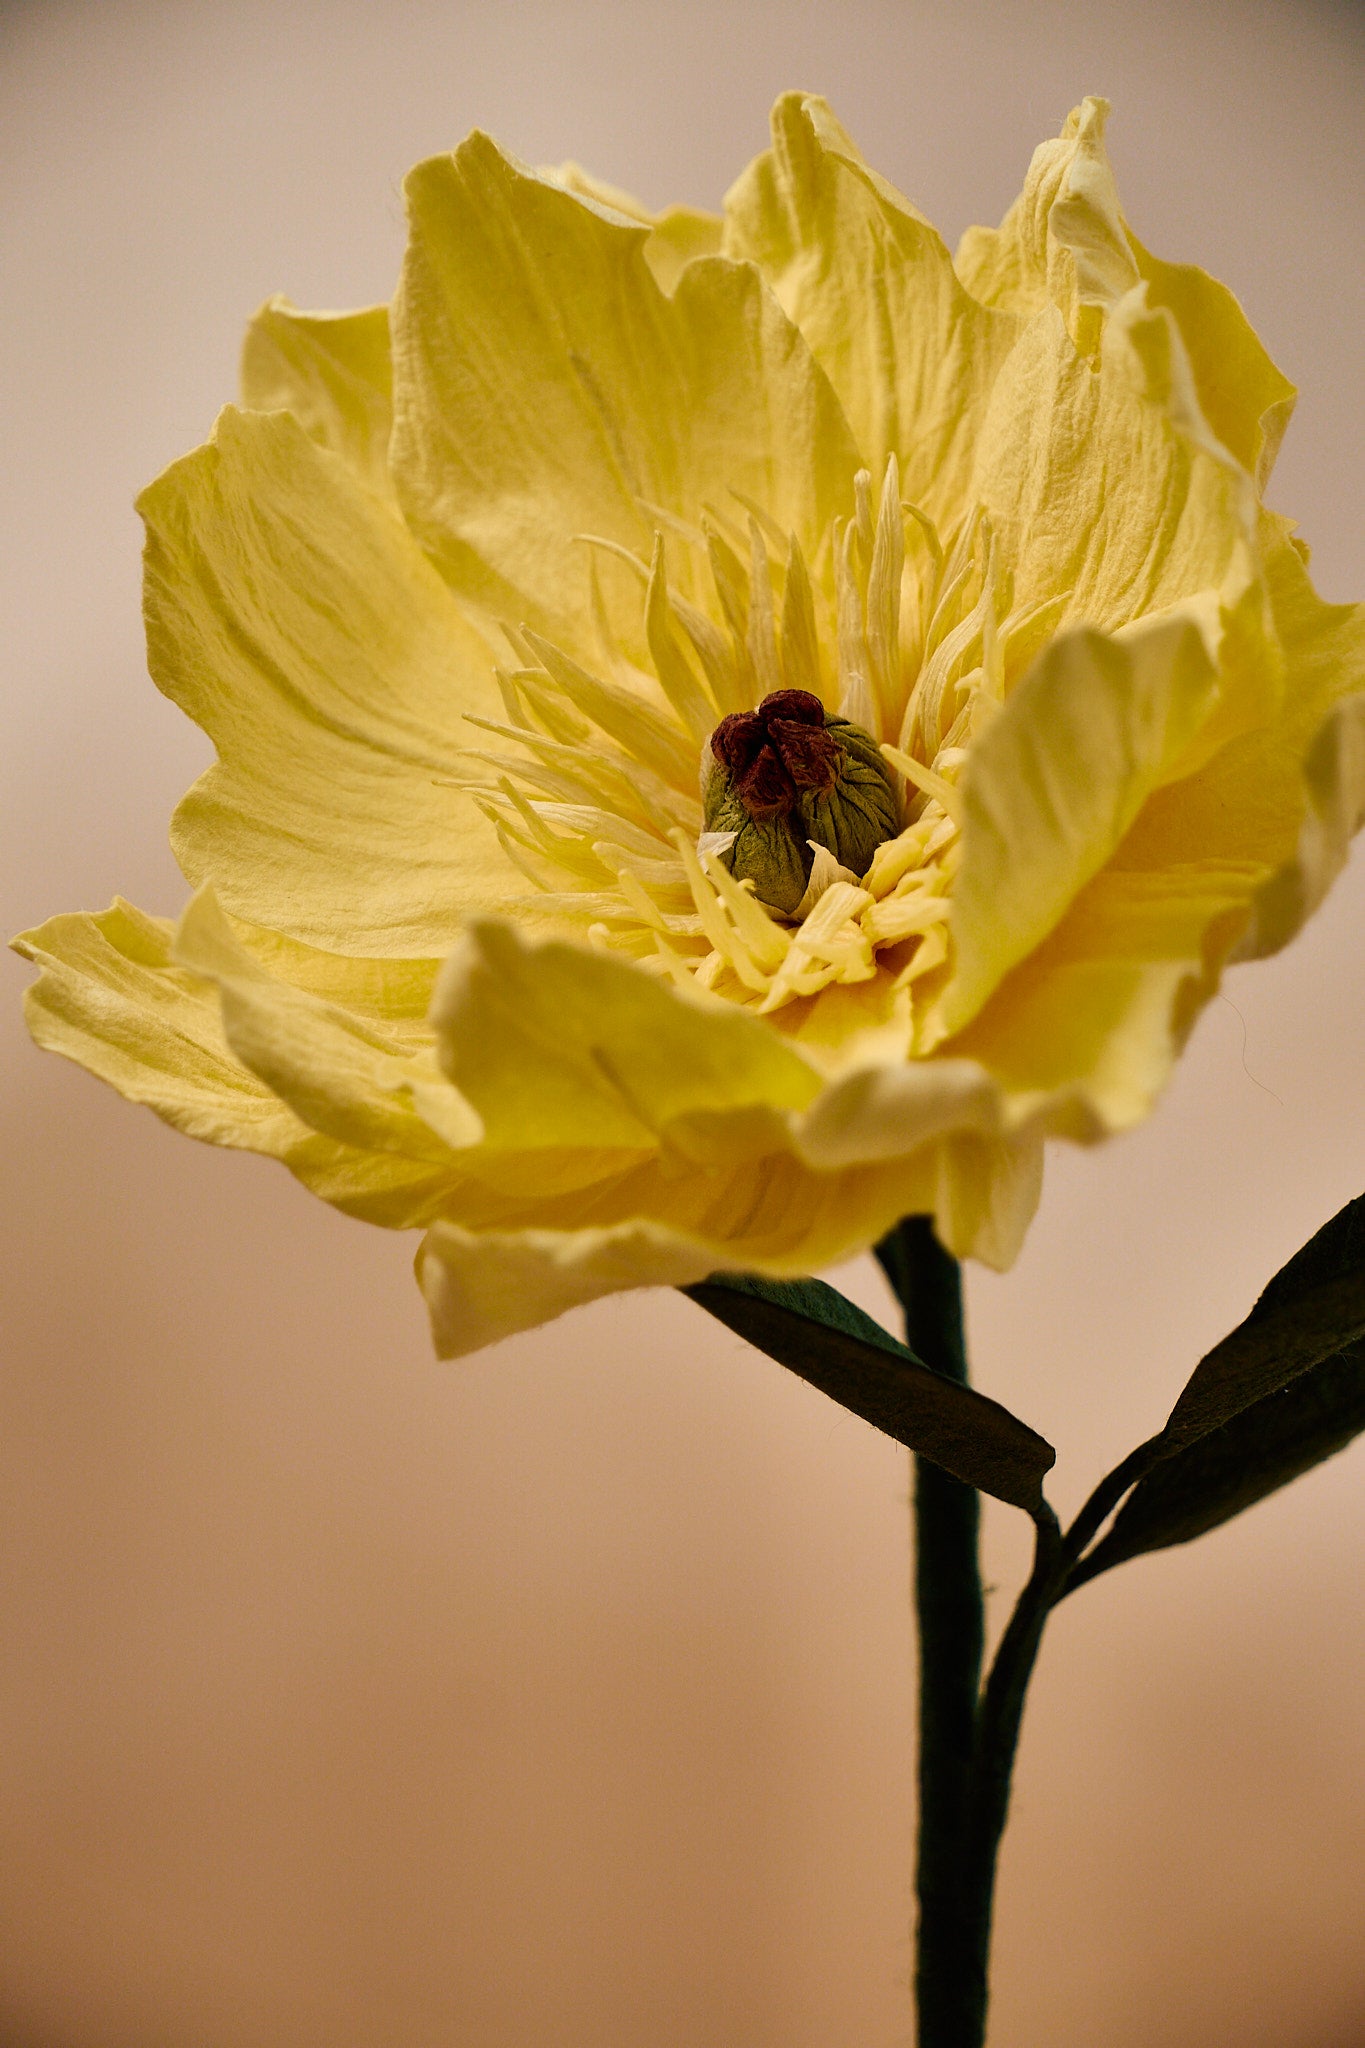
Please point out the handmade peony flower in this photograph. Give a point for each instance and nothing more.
(730, 731)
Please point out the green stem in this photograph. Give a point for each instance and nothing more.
(968, 1737)
(1056, 1572)
(997, 1740)
(950, 1974)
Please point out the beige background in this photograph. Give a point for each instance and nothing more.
(561, 1698)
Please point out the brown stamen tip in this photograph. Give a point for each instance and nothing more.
(765, 789)
(776, 752)
(800, 707)
(737, 739)
(809, 754)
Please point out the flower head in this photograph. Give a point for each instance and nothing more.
(730, 730)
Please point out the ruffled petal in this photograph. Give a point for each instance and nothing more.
(676, 237)
(482, 1283)
(626, 1126)
(1283, 797)
(291, 615)
(679, 235)
(1065, 243)
(1085, 1032)
(332, 371)
(112, 998)
(567, 1053)
(1245, 398)
(547, 388)
(347, 1075)
(1223, 864)
(1102, 480)
(1056, 780)
(481, 1286)
(873, 290)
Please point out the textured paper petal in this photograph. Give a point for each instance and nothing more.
(1334, 781)
(1085, 1032)
(483, 1286)
(559, 1047)
(545, 387)
(332, 371)
(1245, 398)
(986, 1195)
(111, 998)
(1283, 797)
(291, 616)
(679, 235)
(1224, 864)
(873, 290)
(1054, 783)
(1102, 481)
(584, 184)
(607, 1101)
(348, 1076)
(676, 236)
(887, 1111)
(1065, 240)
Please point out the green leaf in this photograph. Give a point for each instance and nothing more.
(832, 1345)
(1312, 1309)
(1234, 1466)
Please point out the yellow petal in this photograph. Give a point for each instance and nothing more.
(873, 290)
(332, 371)
(1102, 480)
(111, 998)
(584, 185)
(887, 1111)
(1223, 864)
(676, 236)
(1285, 796)
(560, 1048)
(347, 1075)
(291, 615)
(1245, 398)
(679, 235)
(483, 1285)
(1055, 781)
(545, 388)
(1334, 785)
(623, 1121)
(1063, 241)
(986, 1194)
(1094, 1019)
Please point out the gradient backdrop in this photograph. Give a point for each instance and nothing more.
(561, 1698)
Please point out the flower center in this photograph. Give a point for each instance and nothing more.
(775, 753)
(786, 782)
(830, 707)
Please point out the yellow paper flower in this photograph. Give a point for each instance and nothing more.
(462, 593)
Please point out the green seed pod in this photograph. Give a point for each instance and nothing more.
(787, 774)
(854, 817)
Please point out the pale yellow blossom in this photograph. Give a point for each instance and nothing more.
(461, 592)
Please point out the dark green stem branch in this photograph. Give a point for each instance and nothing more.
(1096, 1511)
(1054, 1574)
(997, 1740)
